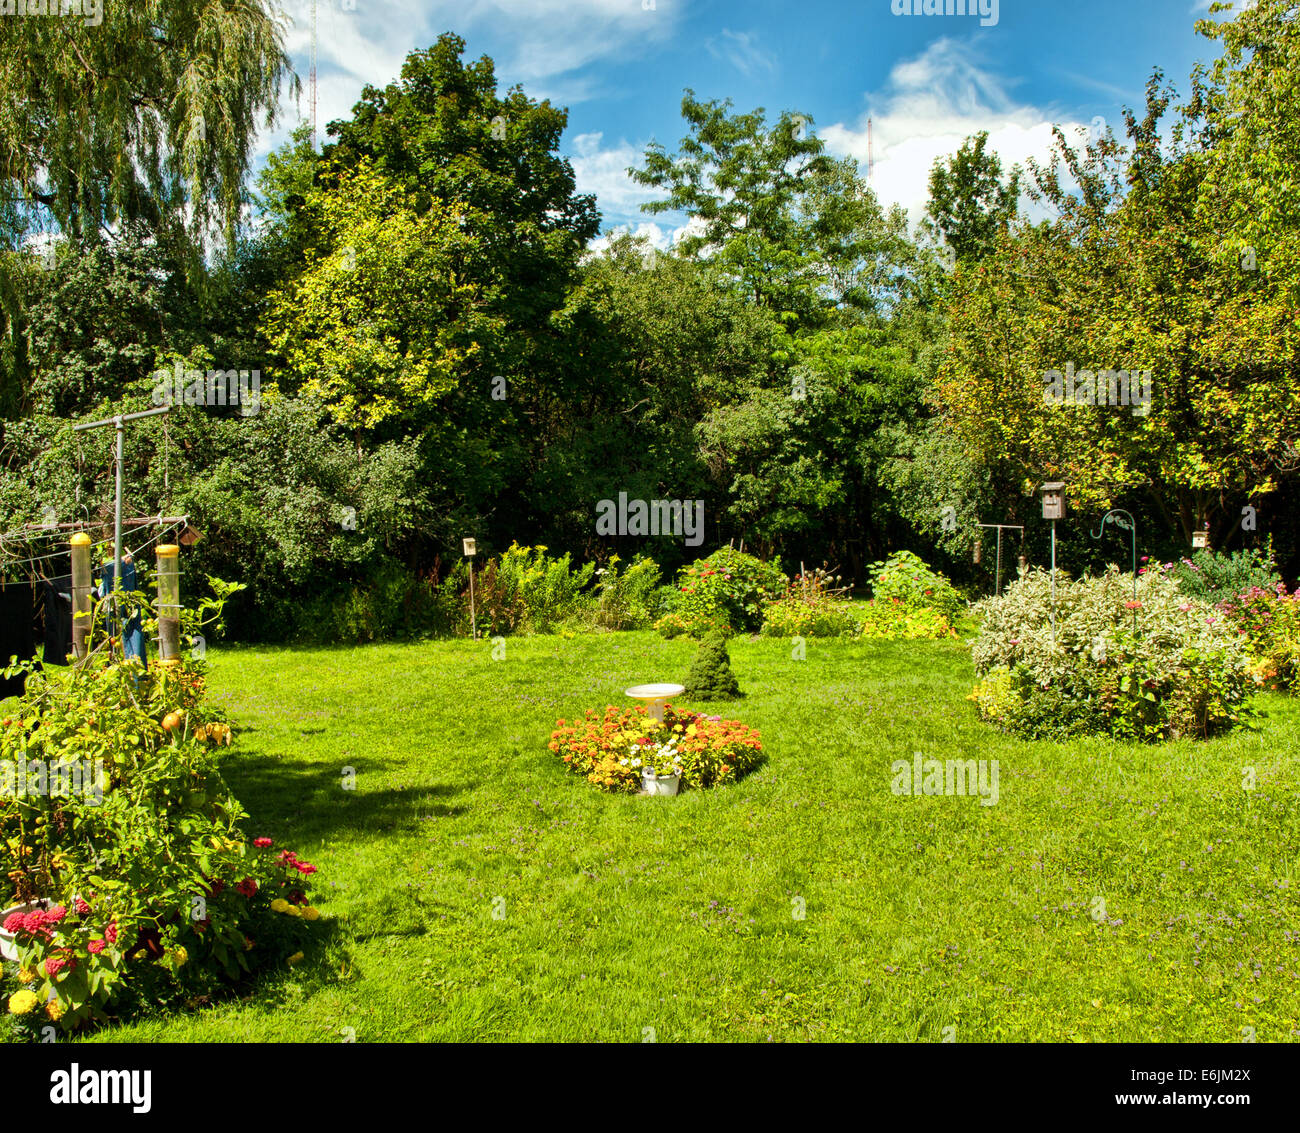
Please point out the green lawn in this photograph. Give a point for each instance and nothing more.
(621, 914)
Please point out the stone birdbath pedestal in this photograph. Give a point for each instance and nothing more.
(655, 697)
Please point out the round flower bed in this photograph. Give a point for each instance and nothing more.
(612, 750)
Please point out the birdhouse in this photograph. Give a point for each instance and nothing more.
(1053, 500)
(470, 546)
(1201, 540)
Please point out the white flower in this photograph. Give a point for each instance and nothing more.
(622, 762)
(636, 763)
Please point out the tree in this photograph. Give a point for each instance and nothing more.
(970, 204)
(150, 115)
(742, 182)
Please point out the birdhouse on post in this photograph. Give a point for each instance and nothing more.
(1053, 500)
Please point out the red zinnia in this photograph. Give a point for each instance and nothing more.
(95, 947)
(81, 906)
(261, 843)
(110, 933)
(247, 887)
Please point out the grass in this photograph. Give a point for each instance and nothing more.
(621, 918)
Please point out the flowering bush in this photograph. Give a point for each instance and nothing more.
(1268, 622)
(813, 605)
(1216, 577)
(627, 600)
(612, 750)
(122, 833)
(904, 580)
(1180, 672)
(728, 589)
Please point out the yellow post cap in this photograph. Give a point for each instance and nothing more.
(80, 539)
(167, 550)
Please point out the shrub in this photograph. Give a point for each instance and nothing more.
(711, 677)
(549, 590)
(146, 887)
(728, 588)
(610, 751)
(1216, 577)
(1267, 621)
(629, 600)
(890, 620)
(1181, 672)
(812, 606)
(904, 580)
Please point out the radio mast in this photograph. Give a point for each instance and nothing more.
(312, 79)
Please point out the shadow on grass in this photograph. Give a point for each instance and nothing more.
(304, 800)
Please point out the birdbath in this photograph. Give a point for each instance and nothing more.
(655, 696)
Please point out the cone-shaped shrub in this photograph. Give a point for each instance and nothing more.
(711, 677)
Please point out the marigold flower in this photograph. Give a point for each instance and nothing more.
(279, 905)
(54, 1009)
(294, 959)
(28, 975)
(21, 1002)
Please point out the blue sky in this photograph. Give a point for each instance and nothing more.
(620, 66)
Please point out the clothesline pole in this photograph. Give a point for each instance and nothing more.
(119, 423)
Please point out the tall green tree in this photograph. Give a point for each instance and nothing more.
(971, 203)
(150, 114)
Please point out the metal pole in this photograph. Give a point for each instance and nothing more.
(998, 585)
(1053, 586)
(117, 522)
(473, 625)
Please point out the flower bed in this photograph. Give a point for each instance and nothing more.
(611, 750)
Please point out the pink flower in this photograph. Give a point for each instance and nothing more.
(261, 843)
(110, 933)
(80, 906)
(95, 947)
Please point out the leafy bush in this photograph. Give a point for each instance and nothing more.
(812, 606)
(904, 580)
(1216, 577)
(1182, 671)
(128, 845)
(610, 751)
(728, 588)
(628, 600)
(890, 620)
(549, 589)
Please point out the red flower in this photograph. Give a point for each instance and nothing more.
(54, 965)
(81, 907)
(56, 914)
(95, 947)
(304, 867)
(247, 887)
(110, 933)
(261, 843)
(217, 887)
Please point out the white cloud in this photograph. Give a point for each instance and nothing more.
(929, 107)
(741, 50)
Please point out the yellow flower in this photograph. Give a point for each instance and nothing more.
(279, 905)
(311, 913)
(27, 975)
(54, 1009)
(294, 911)
(180, 956)
(295, 958)
(22, 1002)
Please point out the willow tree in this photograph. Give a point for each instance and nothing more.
(149, 114)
